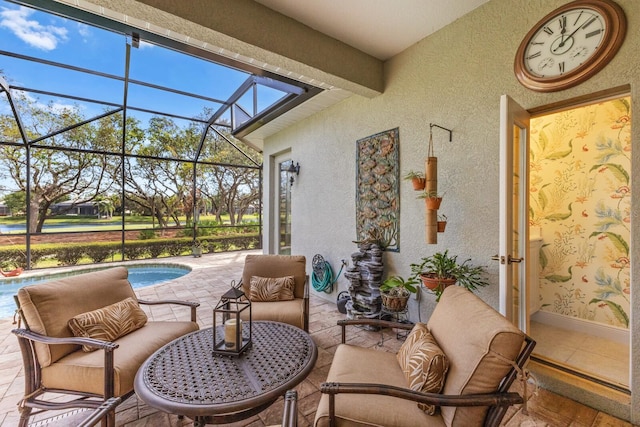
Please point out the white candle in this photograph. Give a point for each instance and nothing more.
(230, 329)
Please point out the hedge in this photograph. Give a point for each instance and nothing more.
(97, 252)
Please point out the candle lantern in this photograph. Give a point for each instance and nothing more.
(232, 335)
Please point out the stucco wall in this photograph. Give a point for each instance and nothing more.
(453, 78)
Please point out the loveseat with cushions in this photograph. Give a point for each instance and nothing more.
(456, 370)
(86, 335)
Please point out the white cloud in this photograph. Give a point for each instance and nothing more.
(45, 37)
(56, 106)
(146, 45)
(84, 30)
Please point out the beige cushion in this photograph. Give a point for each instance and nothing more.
(275, 266)
(479, 343)
(423, 364)
(108, 323)
(352, 364)
(271, 288)
(84, 371)
(47, 307)
(290, 312)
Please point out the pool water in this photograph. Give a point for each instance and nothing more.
(139, 276)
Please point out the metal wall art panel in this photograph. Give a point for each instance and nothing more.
(378, 189)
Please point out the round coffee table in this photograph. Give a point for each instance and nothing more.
(184, 377)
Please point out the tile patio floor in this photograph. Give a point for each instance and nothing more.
(210, 277)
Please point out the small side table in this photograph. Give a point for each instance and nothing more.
(401, 316)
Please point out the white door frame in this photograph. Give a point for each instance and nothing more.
(514, 126)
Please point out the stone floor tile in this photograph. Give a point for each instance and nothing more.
(210, 277)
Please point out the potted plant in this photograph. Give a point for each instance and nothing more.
(417, 179)
(395, 292)
(441, 270)
(196, 249)
(442, 223)
(432, 199)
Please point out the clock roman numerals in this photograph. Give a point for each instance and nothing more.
(578, 18)
(534, 55)
(589, 22)
(561, 67)
(548, 30)
(593, 33)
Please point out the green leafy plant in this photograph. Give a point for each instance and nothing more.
(413, 175)
(441, 270)
(398, 286)
(430, 195)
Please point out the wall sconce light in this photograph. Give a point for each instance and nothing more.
(291, 170)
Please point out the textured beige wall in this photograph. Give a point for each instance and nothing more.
(453, 78)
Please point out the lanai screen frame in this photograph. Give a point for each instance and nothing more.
(242, 121)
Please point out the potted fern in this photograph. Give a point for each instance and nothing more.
(441, 270)
(395, 292)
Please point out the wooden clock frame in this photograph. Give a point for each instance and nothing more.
(616, 28)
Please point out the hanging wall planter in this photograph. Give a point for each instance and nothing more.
(418, 183)
(417, 180)
(442, 223)
(431, 200)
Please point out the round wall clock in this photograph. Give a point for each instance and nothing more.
(570, 45)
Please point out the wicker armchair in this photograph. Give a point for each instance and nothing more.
(54, 361)
(486, 353)
(294, 312)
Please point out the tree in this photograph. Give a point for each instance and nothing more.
(16, 202)
(163, 187)
(229, 189)
(66, 172)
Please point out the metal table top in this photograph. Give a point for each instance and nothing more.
(184, 377)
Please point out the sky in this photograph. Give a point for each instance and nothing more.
(33, 33)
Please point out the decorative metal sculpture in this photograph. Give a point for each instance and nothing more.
(377, 189)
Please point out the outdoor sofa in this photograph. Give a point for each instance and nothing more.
(103, 305)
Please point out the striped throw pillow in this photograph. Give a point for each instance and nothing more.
(423, 363)
(109, 323)
(271, 288)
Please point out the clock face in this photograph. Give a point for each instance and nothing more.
(564, 43)
(570, 45)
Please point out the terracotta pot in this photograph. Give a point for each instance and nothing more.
(393, 303)
(433, 203)
(441, 226)
(418, 183)
(430, 281)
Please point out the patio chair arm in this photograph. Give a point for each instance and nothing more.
(91, 342)
(485, 399)
(193, 305)
(379, 323)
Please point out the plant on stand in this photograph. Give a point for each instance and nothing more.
(395, 292)
(441, 270)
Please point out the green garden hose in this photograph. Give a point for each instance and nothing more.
(322, 277)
